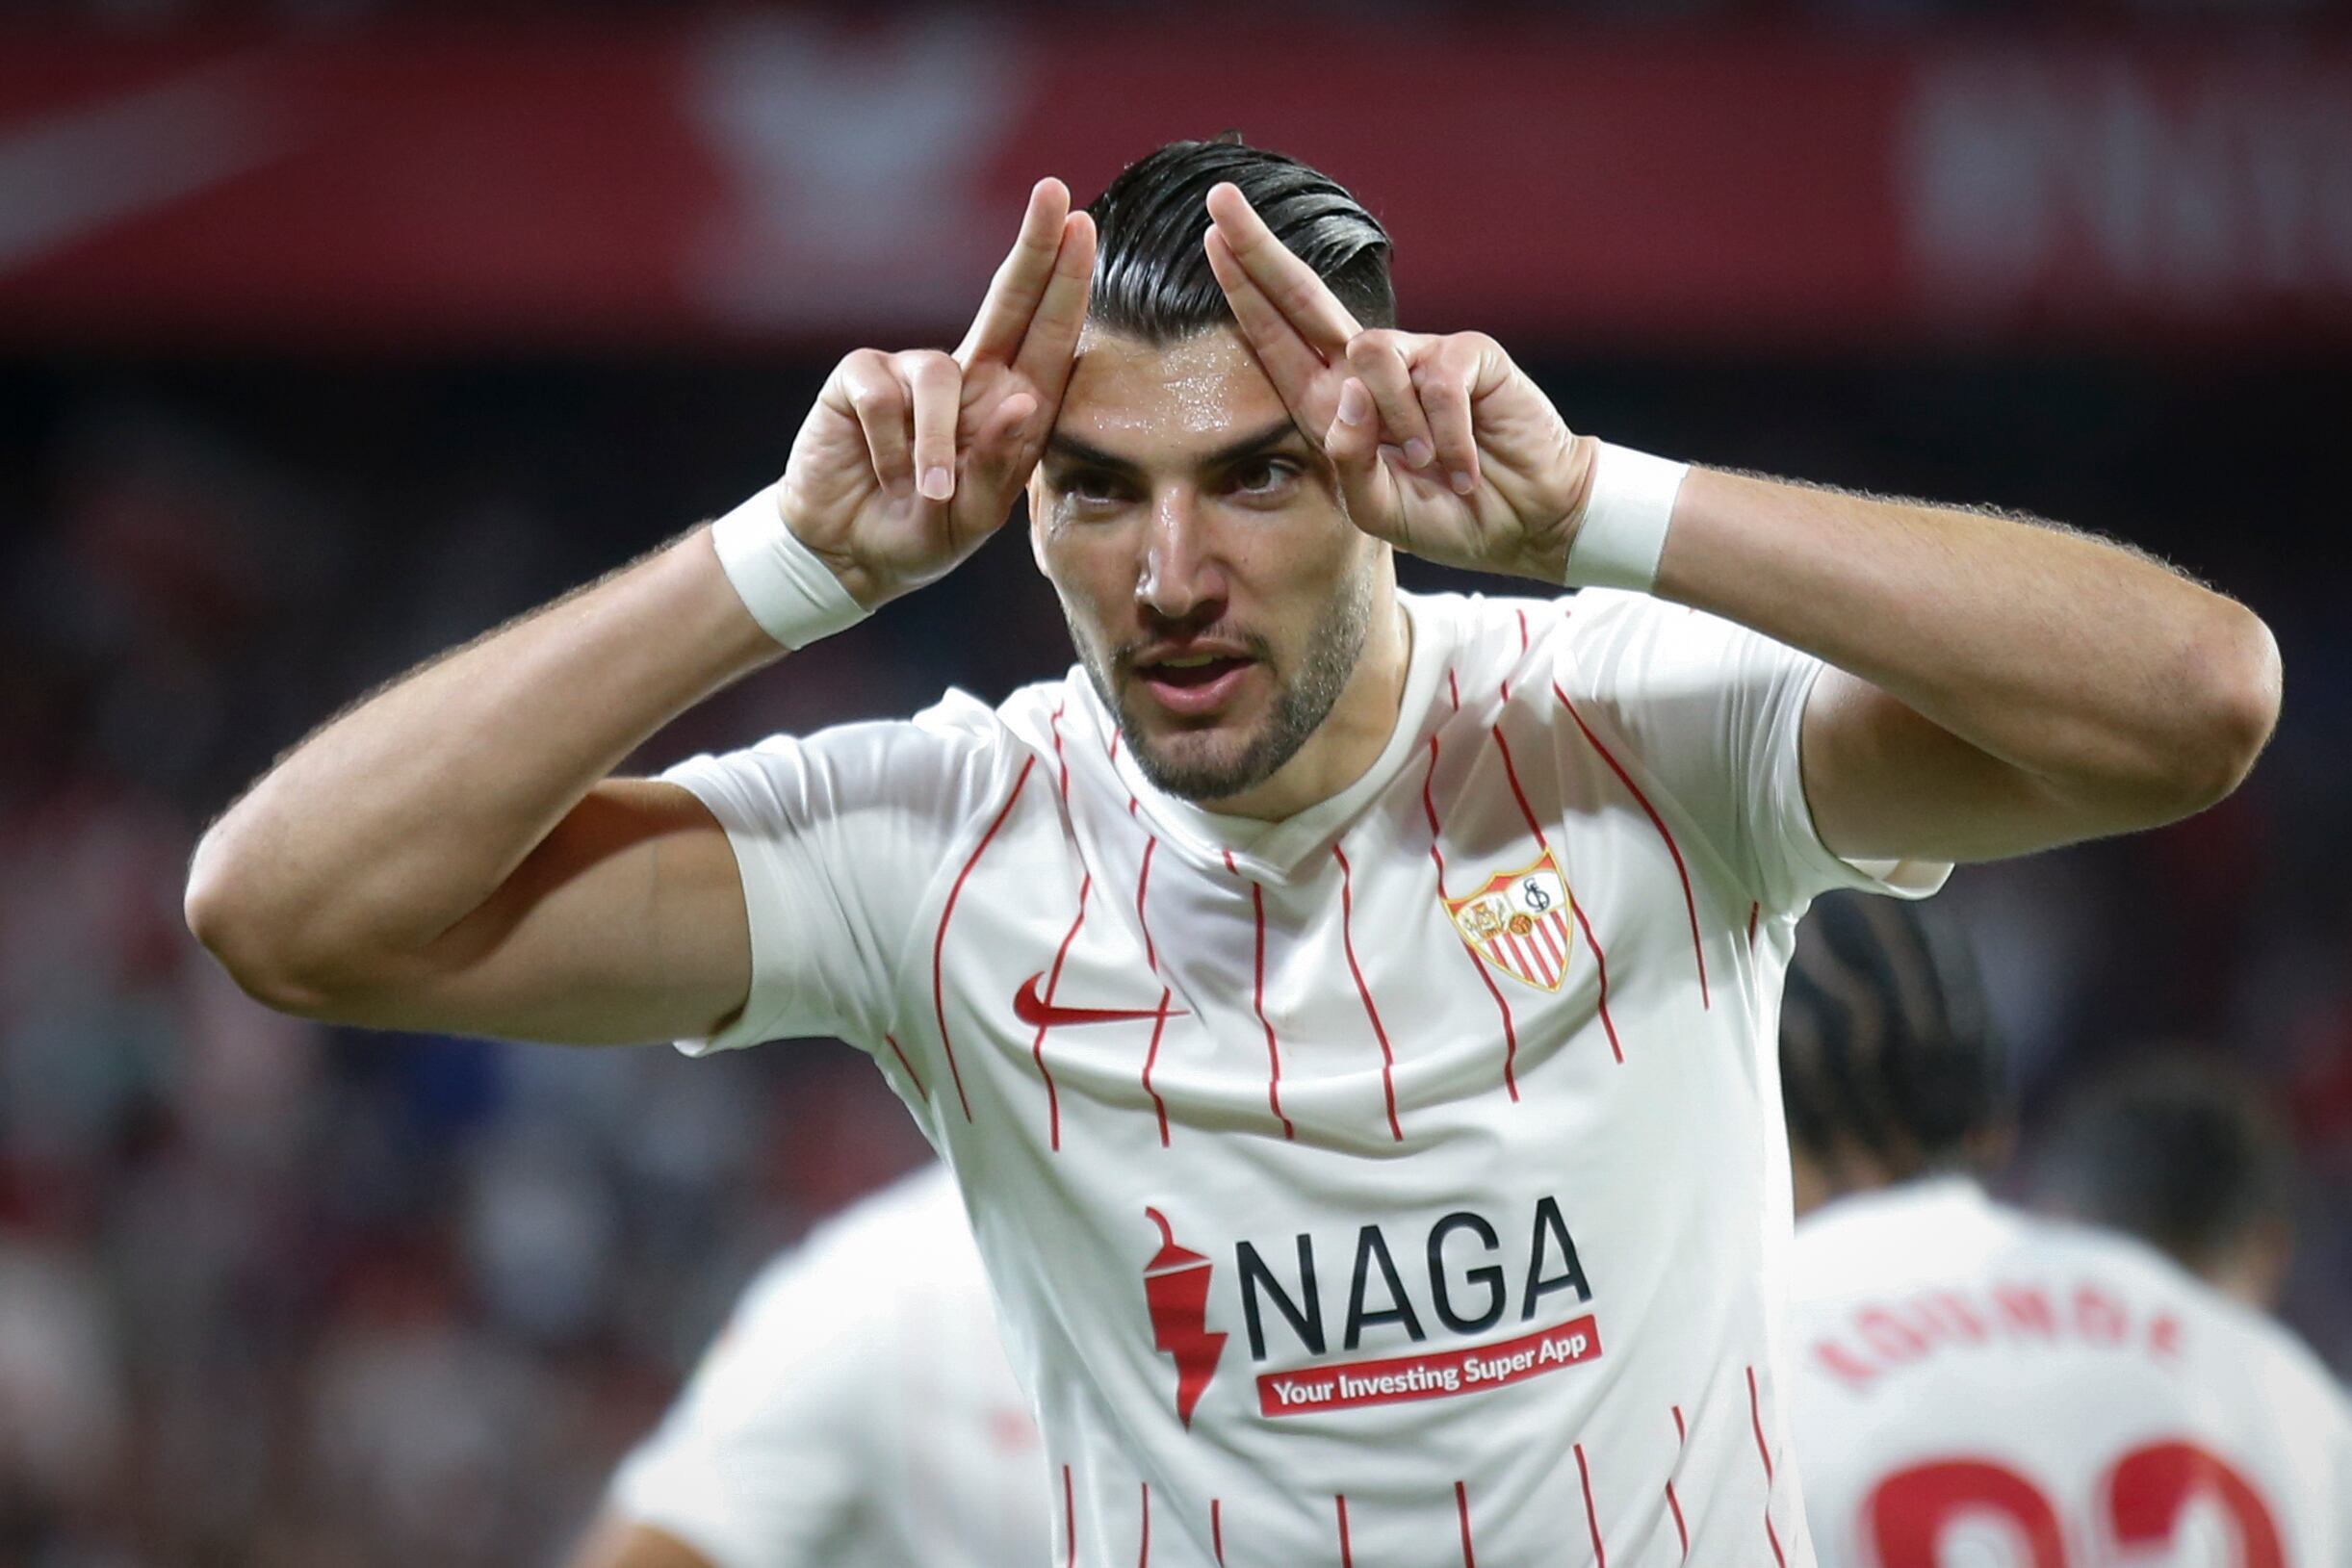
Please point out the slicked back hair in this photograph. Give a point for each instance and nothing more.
(1887, 1046)
(2178, 1149)
(1152, 279)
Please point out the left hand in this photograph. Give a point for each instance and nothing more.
(1442, 446)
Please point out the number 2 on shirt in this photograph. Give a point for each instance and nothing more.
(2140, 1501)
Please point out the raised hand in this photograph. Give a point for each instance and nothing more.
(1441, 445)
(909, 460)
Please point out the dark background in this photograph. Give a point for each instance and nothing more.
(277, 1293)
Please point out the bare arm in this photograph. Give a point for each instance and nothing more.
(616, 1542)
(1996, 685)
(452, 854)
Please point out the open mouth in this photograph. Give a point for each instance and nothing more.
(1194, 684)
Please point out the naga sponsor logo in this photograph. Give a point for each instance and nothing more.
(1467, 1283)
(1431, 1375)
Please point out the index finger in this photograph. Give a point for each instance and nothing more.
(1020, 279)
(1304, 300)
(1052, 338)
(1291, 361)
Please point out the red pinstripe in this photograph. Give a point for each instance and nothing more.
(1600, 967)
(1510, 1035)
(1257, 1000)
(1753, 910)
(1453, 692)
(1755, 1416)
(1600, 960)
(1070, 1519)
(1347, 940)
(1682, 1439)
(1159, 1025)
(1216, 1529)
(1037, 1047)
(1510, 772)
(912, 1075)
(1143, 1554)
(1346, 1559)
(1143, 880)
(1462, 1506)
(939, 945)
(1522, 631)
(1690, 904)
(1055, 724)
(1159, 1020)
(1592, 1518)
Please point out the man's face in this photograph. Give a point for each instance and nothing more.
(1215, 589)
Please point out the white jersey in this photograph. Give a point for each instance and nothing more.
(1978, 1386)
(1401, 1181)
(856, 1412)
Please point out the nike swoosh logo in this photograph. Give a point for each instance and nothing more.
(86, 168)
(1035, 1010)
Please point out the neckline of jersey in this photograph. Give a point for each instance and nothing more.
(1272, 850)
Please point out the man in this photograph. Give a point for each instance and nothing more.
(1347, 1013)
(856, 1412)
(1973, 1379)
(2186, 1155)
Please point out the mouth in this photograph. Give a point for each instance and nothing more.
(1194, 683)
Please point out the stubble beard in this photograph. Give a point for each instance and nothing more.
(1299, 707)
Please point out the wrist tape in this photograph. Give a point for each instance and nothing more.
(794, 596)
(1626, 512)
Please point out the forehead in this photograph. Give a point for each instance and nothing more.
(1140, 401)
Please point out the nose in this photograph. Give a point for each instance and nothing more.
(1182, 578)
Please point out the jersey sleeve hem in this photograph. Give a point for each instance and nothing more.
(703, 779)
(1829, 869)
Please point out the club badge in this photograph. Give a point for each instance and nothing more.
(1518, 922)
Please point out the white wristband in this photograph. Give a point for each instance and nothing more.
(794, 596)
(1626, 512)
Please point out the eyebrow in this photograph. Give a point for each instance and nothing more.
(1070, 448)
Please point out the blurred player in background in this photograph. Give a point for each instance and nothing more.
(1974, 1384)
(856, 1412)
(1349, 1012)
(2188, 1156)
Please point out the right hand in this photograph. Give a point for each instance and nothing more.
(910, 460)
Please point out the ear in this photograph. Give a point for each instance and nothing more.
(1037, 519)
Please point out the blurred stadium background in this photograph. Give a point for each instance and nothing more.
(334, 331)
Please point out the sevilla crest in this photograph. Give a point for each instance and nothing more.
(1518, 922)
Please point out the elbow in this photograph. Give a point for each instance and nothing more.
(2231, 705)
(230, 917)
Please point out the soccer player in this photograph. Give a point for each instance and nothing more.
(856, 1412)
(1348, 1012)
(2184, 1154)
(1976, 1384)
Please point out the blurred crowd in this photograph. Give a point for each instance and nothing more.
(136, 16)
(273, 1293)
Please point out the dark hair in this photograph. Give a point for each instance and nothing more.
(1152, 278)
(1887, 1046)
(2177, 1149)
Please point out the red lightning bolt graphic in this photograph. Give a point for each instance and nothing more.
(1176, 1291)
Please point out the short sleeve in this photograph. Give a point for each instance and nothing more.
(1713, 712)
(761, 1462)
(838, 838)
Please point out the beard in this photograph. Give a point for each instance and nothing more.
(1232, 764)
